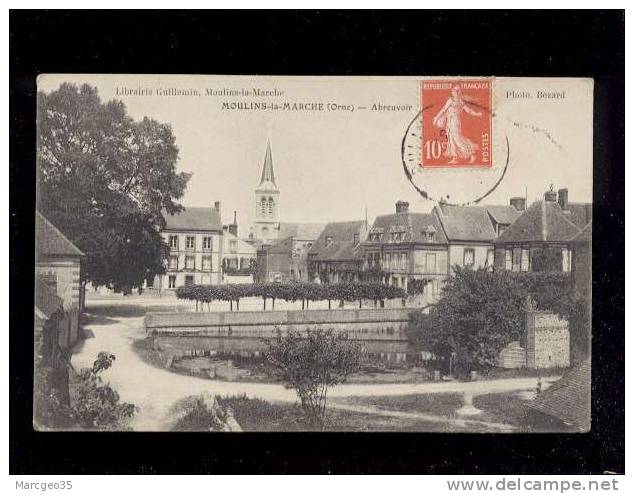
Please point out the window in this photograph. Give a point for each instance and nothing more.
(508, 259)
(517, 261)
(173, 242)
(190, 262)
(172, 281)
(263, 206)
(431, 236)
(403, 260)
(207, 243)
(50, 280)
(270, 206)
(233, 246)
(501, 229)
(468, 257)
(431, 263)
(189, 280)
(190, 242)
(206, 263)
(490, 258)
(173, 263)
(565, 260)
(328, 240)
(525, 261)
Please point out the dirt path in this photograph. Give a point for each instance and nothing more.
(155, 390)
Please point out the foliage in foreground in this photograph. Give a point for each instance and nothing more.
(312, 362)
(94, 404)
(290, 292)
(480, 312)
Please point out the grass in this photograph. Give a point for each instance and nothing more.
(502, 407)
(258, 415)
(443, 404)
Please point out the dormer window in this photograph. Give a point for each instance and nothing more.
(328, 240)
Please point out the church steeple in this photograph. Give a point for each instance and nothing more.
(267, 196)
(267, 180)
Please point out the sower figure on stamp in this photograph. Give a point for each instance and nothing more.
(458, 146)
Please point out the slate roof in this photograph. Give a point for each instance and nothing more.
(47, 302)
(340, 231)
(466, 223)
(282, 246)
(584, 236)
(49, 241)
(300, 231)
(544, 221)
(504, 215)
(342, 250)
(194, 219)
(413, 224)
(568, 399)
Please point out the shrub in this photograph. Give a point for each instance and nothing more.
(312, 362)
(480, 312)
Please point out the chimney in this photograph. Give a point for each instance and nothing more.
(233, 227)
(550, 196)
(563, 199)
(217, 206)
(402, 207)
(519, 203)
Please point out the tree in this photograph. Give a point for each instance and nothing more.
(312, 362)
(480, 312)
(105, 181)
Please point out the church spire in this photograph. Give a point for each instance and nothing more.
(268, 175)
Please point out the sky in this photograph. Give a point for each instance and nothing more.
(334, 161)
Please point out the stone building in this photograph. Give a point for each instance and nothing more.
(539, 240)
(58, 267)
(195, 241)
(287, 259)
(407, 246)
(471, 230)
(337, 256)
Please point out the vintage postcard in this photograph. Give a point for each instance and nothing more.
(236, 253)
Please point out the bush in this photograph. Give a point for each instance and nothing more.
(480, 312)
(312, 362)
(95, 405)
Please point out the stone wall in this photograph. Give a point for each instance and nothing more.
(381, 331)
(547, 340)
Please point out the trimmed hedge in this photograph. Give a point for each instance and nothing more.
(290, 292)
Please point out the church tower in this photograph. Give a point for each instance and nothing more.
(267, 201)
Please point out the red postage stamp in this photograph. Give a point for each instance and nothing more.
(456, 123)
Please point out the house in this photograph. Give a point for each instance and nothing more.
(238, 258)
(287, 259)
(581, 269)
(564, 406)
(194, 238)
(471, 230)
(336, 256)
(406, 246)
(58, 267)
(539, 240)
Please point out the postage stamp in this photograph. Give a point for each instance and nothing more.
(456, 123)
